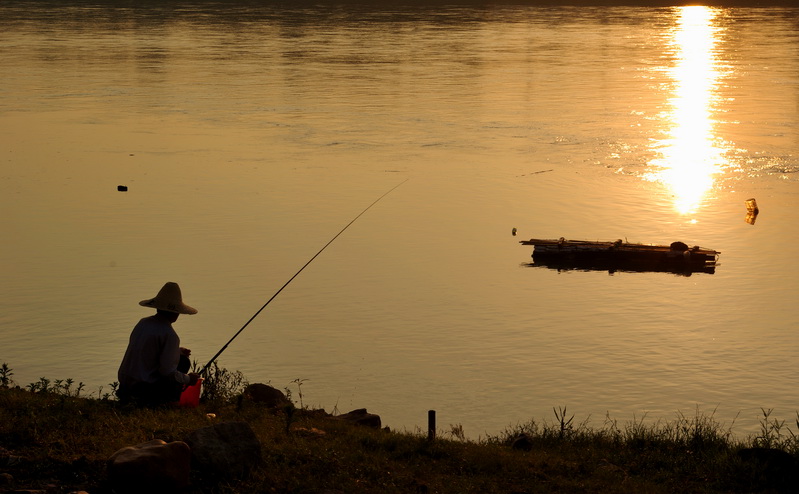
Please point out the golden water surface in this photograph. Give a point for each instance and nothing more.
(248, 136)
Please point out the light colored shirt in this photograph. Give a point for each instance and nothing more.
(153, 353)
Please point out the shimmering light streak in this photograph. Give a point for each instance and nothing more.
(689, 157)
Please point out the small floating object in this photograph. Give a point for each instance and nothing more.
(751, 211)
(676, 257)
(513, 232)
(122, 188)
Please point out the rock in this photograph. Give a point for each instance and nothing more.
(611, 470)
(228, 449)
(6, 478)
(306, 432)
(362, 417)
(154, 466)
(262, 393)
(9, 460)
(773, 468)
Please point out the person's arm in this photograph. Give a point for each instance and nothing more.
(170, 356)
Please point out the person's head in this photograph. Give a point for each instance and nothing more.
(169, 300)
(167, 315)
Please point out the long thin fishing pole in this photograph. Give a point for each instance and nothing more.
(202, 372)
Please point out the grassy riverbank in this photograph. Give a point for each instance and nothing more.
(55, 441)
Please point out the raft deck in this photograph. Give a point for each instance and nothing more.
(677, 256)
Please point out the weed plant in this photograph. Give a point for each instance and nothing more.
(58, 437)
(221, 386)
(5, 376)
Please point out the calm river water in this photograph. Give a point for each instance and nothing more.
(248, 135)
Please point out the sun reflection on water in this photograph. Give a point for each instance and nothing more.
(689, 158)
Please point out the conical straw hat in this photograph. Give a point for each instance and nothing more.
(169, 299)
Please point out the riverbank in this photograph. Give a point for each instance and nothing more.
(54, 441)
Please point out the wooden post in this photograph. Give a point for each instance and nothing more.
(431, 425)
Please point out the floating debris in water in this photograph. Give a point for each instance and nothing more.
(751, 211)
(536, 172)
(513, 232)
(122, 188)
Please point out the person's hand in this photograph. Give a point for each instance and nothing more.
(193, 378)
(185, 351)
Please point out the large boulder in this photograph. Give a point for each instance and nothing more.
(267, 395)
(229, 449)
(361, 417)
(154, 466)
(771, 468)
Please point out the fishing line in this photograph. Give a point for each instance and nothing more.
(202, 372)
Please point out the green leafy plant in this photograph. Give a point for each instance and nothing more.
(771, 432)
(40, 386)
(5, 376)
(221, 385)
(63, 387)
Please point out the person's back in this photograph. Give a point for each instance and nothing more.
(153, 371)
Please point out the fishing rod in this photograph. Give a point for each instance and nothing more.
(202, 372)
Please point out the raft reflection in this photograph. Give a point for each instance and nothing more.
(617, 267)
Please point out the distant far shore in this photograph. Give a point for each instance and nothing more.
(387, 3)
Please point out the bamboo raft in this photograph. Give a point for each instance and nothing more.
(619, 255)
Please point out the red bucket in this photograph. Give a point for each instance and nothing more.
(190, 397)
